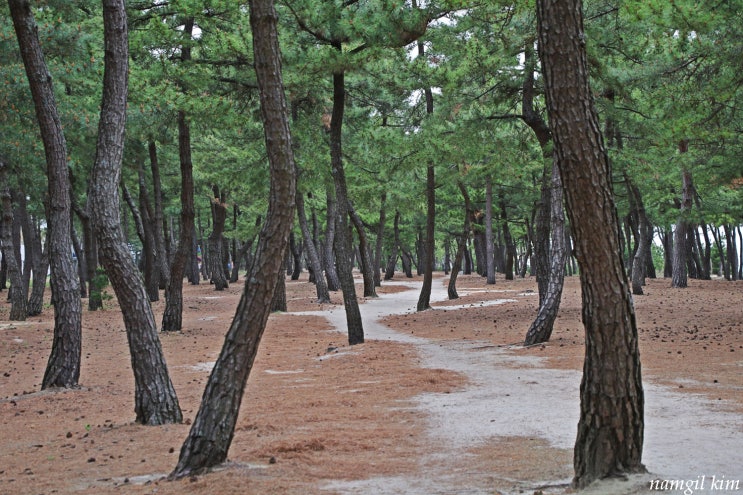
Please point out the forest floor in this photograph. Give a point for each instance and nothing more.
(440, 402)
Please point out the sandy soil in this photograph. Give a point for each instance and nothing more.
(444, 401)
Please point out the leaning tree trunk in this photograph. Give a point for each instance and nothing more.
(364, 253)
(63, 367)
(343, 249)
(321, 287)
(214, 426)
(639, 263)
(155, 401)
(541, 328)
(461, 245)
(17, 296)
(610, 430)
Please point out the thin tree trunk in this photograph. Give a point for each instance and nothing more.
(63, 367)
(511, 255)
(152, 269)
(427, 261)
(610, 429)
(321, 288)
(541, 328)
(17, 295)
(639, 263)
(489, 241)
(379, 242)
(679, 277)
(461, 245)
(364, 253)
(155, 401)
(214, 426)
(329, 258)
(296, 250)
(173, 313)
(219, 217)
(392, 260)
(82, 266)
(343, 249)
(36, 301)
(158, 218)
(732, 255)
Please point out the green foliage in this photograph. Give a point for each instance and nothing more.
(663, 73)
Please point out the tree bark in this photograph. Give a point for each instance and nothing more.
(36, 301)
(639, 263)
(152, 271)
(610, 430)
(217, 267)
(392, 259)
(679, 267)
(329, 258)
(427, 261)
(17, 295)
(63, 367)
(379, 241)
(461, 245)
(158, 217)
(364, 252)
(173, 313)
(214, 426)
(343, 249)
(489, 241)
(321, 288)
(511, 254)
(541, 328)
(155, 401)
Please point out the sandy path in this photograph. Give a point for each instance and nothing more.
(508, 395)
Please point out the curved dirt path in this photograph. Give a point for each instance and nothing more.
(509, 396)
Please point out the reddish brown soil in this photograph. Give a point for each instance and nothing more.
(316, 410)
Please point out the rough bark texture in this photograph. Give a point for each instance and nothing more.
(379, 241)
(610, 430)
(173, 313)
(364, 253)
(639, 263)
(155, 401)
(63, 367)
(461, 245)
(679, 273)
(541, 328)
(216, 266)
(323, 296)
(392, 259)
(343, 249)
(489, 243)
(17, 295)
(214, 426)
(157, 219)
(36, 299)
(427, 260)
(511, 254)
(329, 258)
